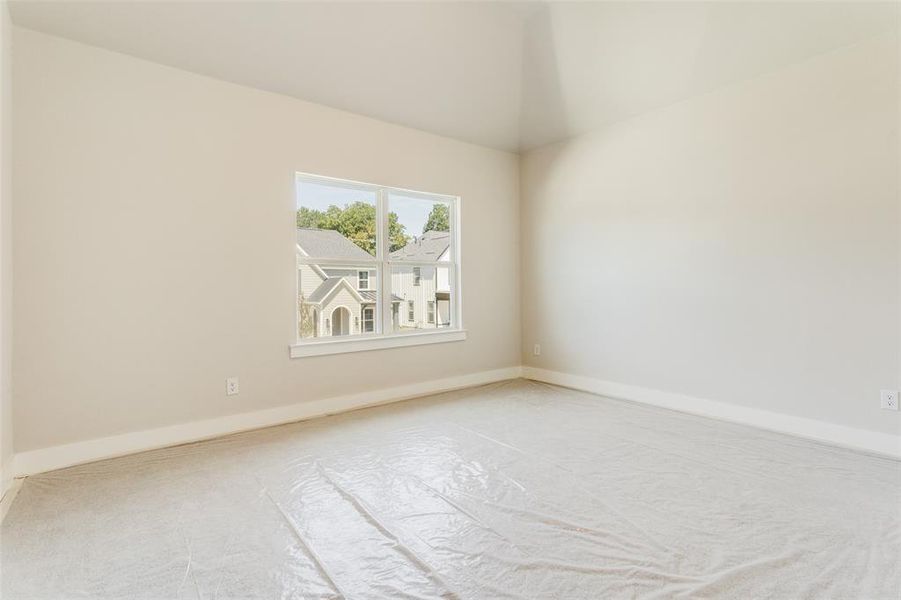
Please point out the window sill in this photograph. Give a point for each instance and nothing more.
(360, 344)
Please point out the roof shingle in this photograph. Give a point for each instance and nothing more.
(328, 243)
(428, 247)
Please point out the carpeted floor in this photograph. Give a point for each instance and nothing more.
(514, 490)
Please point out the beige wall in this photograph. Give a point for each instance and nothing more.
(155, 244)
(6, 244)
(742, 246)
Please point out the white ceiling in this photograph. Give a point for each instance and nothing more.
(509, 75)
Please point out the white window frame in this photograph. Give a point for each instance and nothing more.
(411, 310)
(360, 279)
(430, 312)
(417, 276)
(384, 335)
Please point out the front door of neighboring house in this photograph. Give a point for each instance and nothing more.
(340, 321)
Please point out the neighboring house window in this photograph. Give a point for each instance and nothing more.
(357, 246)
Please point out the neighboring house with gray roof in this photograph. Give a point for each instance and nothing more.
(423, 289)
(431, 246)
(320, 243)
(335, 300)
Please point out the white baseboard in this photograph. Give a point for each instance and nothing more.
(839, 435)
(57, 457)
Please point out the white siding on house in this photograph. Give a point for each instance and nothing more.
(443, 284)
(352, 276)
(307, 280)
(432, 280)
(310, 277)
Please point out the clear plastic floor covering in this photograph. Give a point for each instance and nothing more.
(514, 490)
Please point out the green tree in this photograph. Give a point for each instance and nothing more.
(439, 219)
(309, 218)
(397, 237)
(356, 222)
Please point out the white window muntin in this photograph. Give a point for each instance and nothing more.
(382, 263)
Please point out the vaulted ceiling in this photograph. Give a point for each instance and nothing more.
(509, 75)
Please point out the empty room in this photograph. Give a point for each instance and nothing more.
(442, 299)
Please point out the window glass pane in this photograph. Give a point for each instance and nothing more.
(423, 306)
(338, 240)
(420, 230)
(335, 221)
(331, 303)
(368, 319)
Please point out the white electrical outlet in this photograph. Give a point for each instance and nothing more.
(537, 350)
(889, 399)
(231, 386)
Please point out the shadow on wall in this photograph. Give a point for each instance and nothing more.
(590, 64)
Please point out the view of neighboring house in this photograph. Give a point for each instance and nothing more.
(336, 301)
(425, 291)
